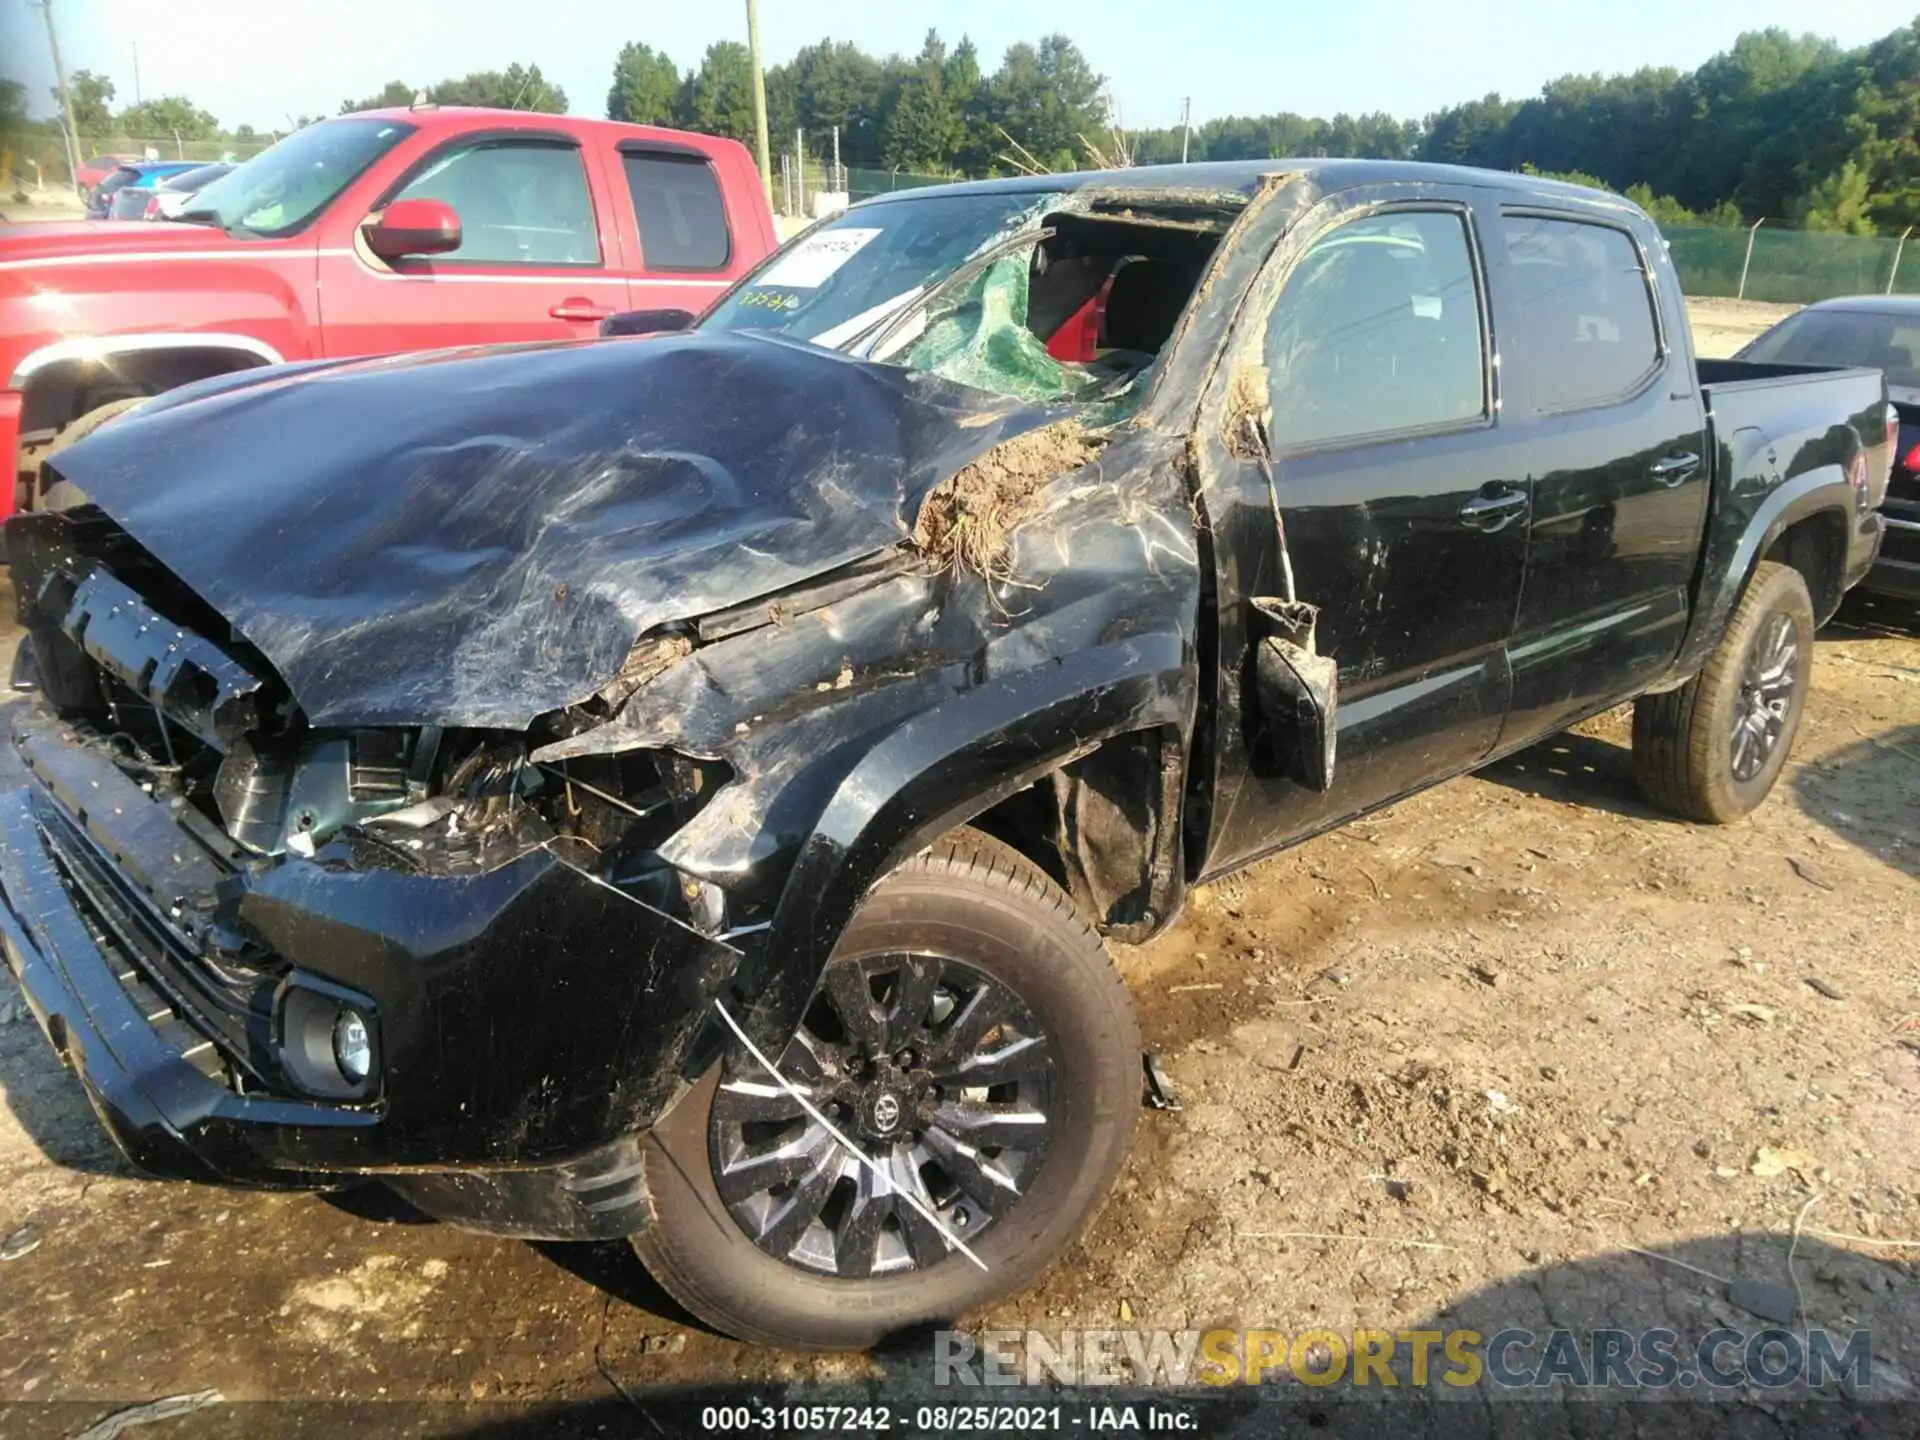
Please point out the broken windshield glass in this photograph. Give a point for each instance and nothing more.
(851, 272)
(1038, 295)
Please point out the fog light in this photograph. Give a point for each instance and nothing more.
(352, 1046)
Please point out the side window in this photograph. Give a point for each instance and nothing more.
(1585, 329)
(677, 205)
(1377, 330)
(519, 203)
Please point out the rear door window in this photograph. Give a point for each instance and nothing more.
(677, 205)
(1584, 330)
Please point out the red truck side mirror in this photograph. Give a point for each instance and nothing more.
(413, 227)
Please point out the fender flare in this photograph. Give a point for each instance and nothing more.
(95, 348)
(938, 770)
(1731, 557)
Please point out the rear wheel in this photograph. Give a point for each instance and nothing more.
(973, 1041)
(1712, 749)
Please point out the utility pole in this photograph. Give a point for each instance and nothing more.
(800, 170)
(759, 100)
(1898, 250)
(1747, 264)
(66, 98)
(1186, 127)
(834, 182)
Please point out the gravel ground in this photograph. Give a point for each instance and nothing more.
(1452, 1065)
(1722, 326)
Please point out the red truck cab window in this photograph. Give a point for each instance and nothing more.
(677, 206)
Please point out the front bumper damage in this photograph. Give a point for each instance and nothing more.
(532, 1021)
(693, 669)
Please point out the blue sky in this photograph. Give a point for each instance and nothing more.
(260, 61)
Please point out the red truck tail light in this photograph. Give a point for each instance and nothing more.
(1911, 460)
(152, 212)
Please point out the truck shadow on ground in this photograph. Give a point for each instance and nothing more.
(46, 1101)
(1732, 1302)
(1864, 615)
(1576, 769)
(609, 1266)
(1867, 794)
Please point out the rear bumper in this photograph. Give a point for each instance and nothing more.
(532, 1021)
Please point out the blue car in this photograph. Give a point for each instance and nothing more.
(139, 172)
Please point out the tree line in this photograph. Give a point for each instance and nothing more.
(935, 113)
(1790, 128)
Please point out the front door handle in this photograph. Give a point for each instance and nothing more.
(574, 307)
(1676, 468)
(1493, 512)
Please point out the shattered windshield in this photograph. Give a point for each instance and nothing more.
(892, 281)
(859, 267)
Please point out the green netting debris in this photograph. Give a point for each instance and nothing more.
(980, 337)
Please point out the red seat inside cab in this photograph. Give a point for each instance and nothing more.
(1135, 309)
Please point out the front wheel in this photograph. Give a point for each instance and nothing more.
(43, 490)
(1712, 749)
(973, 1040)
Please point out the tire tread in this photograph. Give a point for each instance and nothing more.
(1676, 752)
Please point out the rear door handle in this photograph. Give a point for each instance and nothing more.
(1676, 468)
(1493, 512)
(576, 308)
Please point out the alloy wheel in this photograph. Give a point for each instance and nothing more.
(941, 1077)
(1766, 696)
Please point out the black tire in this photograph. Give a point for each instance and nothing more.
(1685, 750)
(976, 901)
(51, 493)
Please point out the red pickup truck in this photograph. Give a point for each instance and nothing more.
(388, 230)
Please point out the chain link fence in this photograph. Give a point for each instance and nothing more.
(38, 157)
(864, 184)
(1790, 266)
(796, 184)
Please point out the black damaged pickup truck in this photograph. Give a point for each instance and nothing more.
(680, 786)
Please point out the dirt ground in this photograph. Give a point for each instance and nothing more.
(51, 203)
(1450, 1065)
(1722, 326)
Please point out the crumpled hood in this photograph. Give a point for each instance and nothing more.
(479, 537)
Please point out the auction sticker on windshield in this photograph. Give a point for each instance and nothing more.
(812, 262)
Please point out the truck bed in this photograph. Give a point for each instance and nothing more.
(1780, 432)
(1794, 408)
